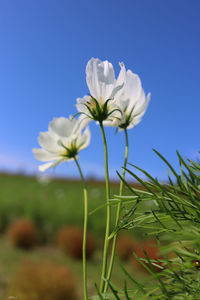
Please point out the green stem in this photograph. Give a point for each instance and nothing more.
(117, 215)
(84, 231)
(106, 241)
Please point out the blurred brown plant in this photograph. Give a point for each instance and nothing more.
(152, 250)
(22, 233)
(42, 281)
(125, 247)
(70, 240)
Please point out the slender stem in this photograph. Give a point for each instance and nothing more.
(117, 215)
(84, 231)
(106, 241)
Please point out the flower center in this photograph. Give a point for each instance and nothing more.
(99, 110)
(71, 150)
(91, 103)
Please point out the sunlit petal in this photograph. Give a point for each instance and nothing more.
(131, 100)
(43, 155)
(46, 166)
(62, 142)
(48, 142)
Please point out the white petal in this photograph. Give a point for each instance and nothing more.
(135, 121)
(140, 110)
(92, 77)
(44, 167)
(81, 104)
(115, 122)
(64, 142)
(48, 142)
(131, 125)
(108, 123)
(123, 104)
(118, 89)
(100, 78)
(84, 140)
(132, 88)
(61, 126)
(44, 155)
(142, 104)
(133, 84)
(106, 72)
(83, 121)
(122, 74)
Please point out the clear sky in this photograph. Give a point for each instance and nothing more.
(44, 48)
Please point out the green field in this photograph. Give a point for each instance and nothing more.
(52, 205)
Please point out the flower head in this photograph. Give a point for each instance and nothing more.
(103, 87)
(62, 142)
(131, 100)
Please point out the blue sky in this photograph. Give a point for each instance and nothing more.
(45, 46)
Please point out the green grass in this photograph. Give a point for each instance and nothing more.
(51, 206)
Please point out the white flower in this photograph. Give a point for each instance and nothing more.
(103, 87)
(131, 100)
(62, 142)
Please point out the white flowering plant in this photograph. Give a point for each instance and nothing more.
(62, 142)
(119, 102)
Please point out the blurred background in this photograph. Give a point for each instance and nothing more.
(44, 49)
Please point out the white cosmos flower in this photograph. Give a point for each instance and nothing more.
(131, 100)
(62, 142)
(103, 87)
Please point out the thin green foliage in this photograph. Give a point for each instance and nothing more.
(173, 218)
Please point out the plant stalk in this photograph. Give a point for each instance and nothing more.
(84, 231)
(106, 241)
(117, 214)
